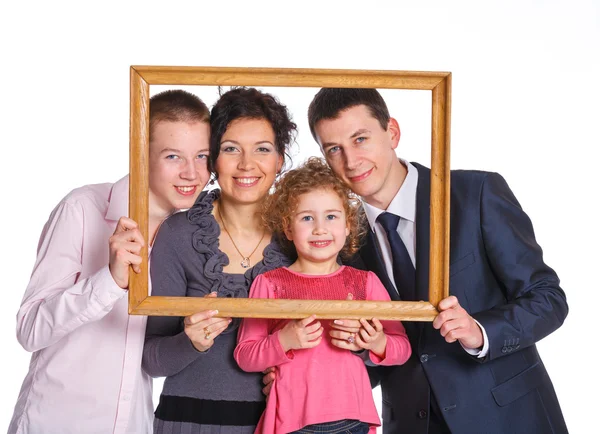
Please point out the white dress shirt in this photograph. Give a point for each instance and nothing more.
(404, 205)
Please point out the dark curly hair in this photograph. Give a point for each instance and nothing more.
(313, 175)
(250, 103)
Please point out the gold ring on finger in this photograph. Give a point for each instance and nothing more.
(206, 333)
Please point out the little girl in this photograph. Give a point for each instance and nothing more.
(320, 385)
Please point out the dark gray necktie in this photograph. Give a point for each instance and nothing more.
(404, 271)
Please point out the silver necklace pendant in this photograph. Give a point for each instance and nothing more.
(245, 263)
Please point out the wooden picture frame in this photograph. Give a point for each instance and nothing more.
(439, 83)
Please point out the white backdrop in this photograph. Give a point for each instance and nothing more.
(525, 104)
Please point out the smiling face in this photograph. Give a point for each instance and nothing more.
(318, 227)
(362, 153)
(178, 165)
(248, 161)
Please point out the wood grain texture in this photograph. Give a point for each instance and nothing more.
(439, 253)
(271, 308)
(289, 77)
(139, 136)
(439, 83)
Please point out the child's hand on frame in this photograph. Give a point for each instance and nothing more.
(371, 337)
(301, 334)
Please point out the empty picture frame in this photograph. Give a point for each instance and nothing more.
(439, 83)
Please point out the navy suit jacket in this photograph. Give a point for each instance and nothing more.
(498, 274)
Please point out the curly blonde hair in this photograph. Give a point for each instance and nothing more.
(314, 174)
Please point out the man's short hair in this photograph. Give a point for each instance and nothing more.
(177, 106)
(328, 103)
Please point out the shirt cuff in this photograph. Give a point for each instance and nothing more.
(375, 359)
(480, 354)
(106, 290)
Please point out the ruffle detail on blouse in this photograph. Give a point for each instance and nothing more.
(205, 240)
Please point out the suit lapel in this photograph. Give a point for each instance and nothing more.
(372, 258)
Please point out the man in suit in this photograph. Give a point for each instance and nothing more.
(476, 369)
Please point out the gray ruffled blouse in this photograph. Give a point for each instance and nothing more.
(206, 388)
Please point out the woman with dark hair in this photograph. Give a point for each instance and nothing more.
(217, 248)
